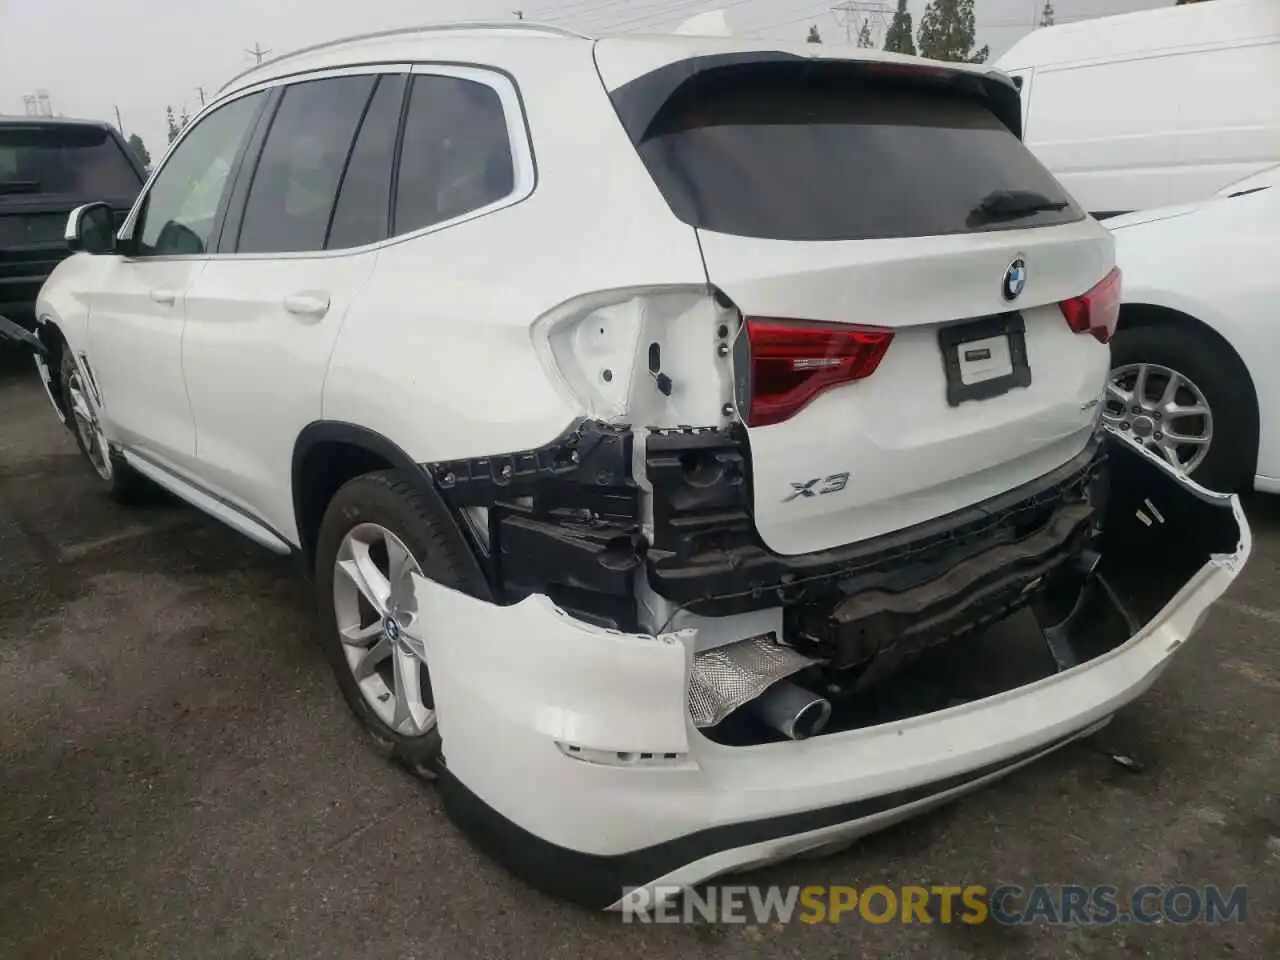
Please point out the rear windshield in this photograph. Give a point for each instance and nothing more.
(84, 162)
(791, 155)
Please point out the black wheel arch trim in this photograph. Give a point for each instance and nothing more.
(336, 431)
(599, 881)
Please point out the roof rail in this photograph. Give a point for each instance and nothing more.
(527, 25)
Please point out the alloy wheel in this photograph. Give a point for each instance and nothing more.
(1162, 410)
(88, 429)
(377, 622)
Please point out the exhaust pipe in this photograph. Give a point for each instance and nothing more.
(791, 710)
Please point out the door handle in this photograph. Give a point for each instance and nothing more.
(307, 304)
(164, 296)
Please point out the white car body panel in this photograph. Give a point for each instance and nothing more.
(240, 330)
(1217, 263)
(135, 346)
(1154, 107)
(491, 393)
(505, 733)
(911, 456)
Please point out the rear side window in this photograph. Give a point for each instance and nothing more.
(295, 184)
(84, 162)
(456, 154)
(363, 211)
(793, 155)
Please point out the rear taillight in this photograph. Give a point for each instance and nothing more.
(792, 361)
(1097, 311)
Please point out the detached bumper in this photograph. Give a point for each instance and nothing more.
(571, 758)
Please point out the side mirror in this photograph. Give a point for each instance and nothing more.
(91, 228)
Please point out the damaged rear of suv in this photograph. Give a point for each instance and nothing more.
(800, 496)
(696, 443)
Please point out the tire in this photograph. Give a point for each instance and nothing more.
(1219, 375)
(114, 476)
(388, 500)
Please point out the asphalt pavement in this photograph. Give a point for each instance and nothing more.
(179, 777)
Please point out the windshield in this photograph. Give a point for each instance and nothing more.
(81, 161)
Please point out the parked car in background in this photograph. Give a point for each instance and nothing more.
(1156, 107)
(48, 167)
(1196, 358)
(632, 435)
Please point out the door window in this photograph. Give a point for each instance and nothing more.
(180, 210)
(363, 210)
(456, 153)
(295, 184)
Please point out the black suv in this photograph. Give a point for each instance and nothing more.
(48, 167)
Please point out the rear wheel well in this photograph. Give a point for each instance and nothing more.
(320, 473)
(1135, 315)
(1149, 315)
(328, 454)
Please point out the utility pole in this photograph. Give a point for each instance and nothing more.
(257, 52)
(119, 122)
(200, 90)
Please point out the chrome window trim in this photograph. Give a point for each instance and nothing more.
(519, 137)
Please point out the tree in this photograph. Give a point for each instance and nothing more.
(864, 35)
(1046, 15)
(139, 149)
(183, 120)
(171, 124)
(814, 35)
(898, 38)
(947, 30)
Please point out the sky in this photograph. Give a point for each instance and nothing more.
(96, 56)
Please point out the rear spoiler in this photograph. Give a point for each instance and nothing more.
(638, 102)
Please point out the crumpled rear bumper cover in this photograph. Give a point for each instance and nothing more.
(571, 758)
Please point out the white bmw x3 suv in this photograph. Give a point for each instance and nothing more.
(681, 403)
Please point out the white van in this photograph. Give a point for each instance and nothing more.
(1153, 108)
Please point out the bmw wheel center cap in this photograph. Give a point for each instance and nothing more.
(392, 629)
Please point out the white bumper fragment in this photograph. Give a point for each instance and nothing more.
(571, 755)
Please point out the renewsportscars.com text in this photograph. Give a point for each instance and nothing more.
(1006, 904)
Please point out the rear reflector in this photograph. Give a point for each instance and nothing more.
(792, 361)
(1097, 311)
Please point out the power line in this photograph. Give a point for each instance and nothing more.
(655, 13)
(821, 10)
(873, 14)
(589, 8)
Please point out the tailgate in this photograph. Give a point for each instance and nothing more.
(899, 258)
(891, 450)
